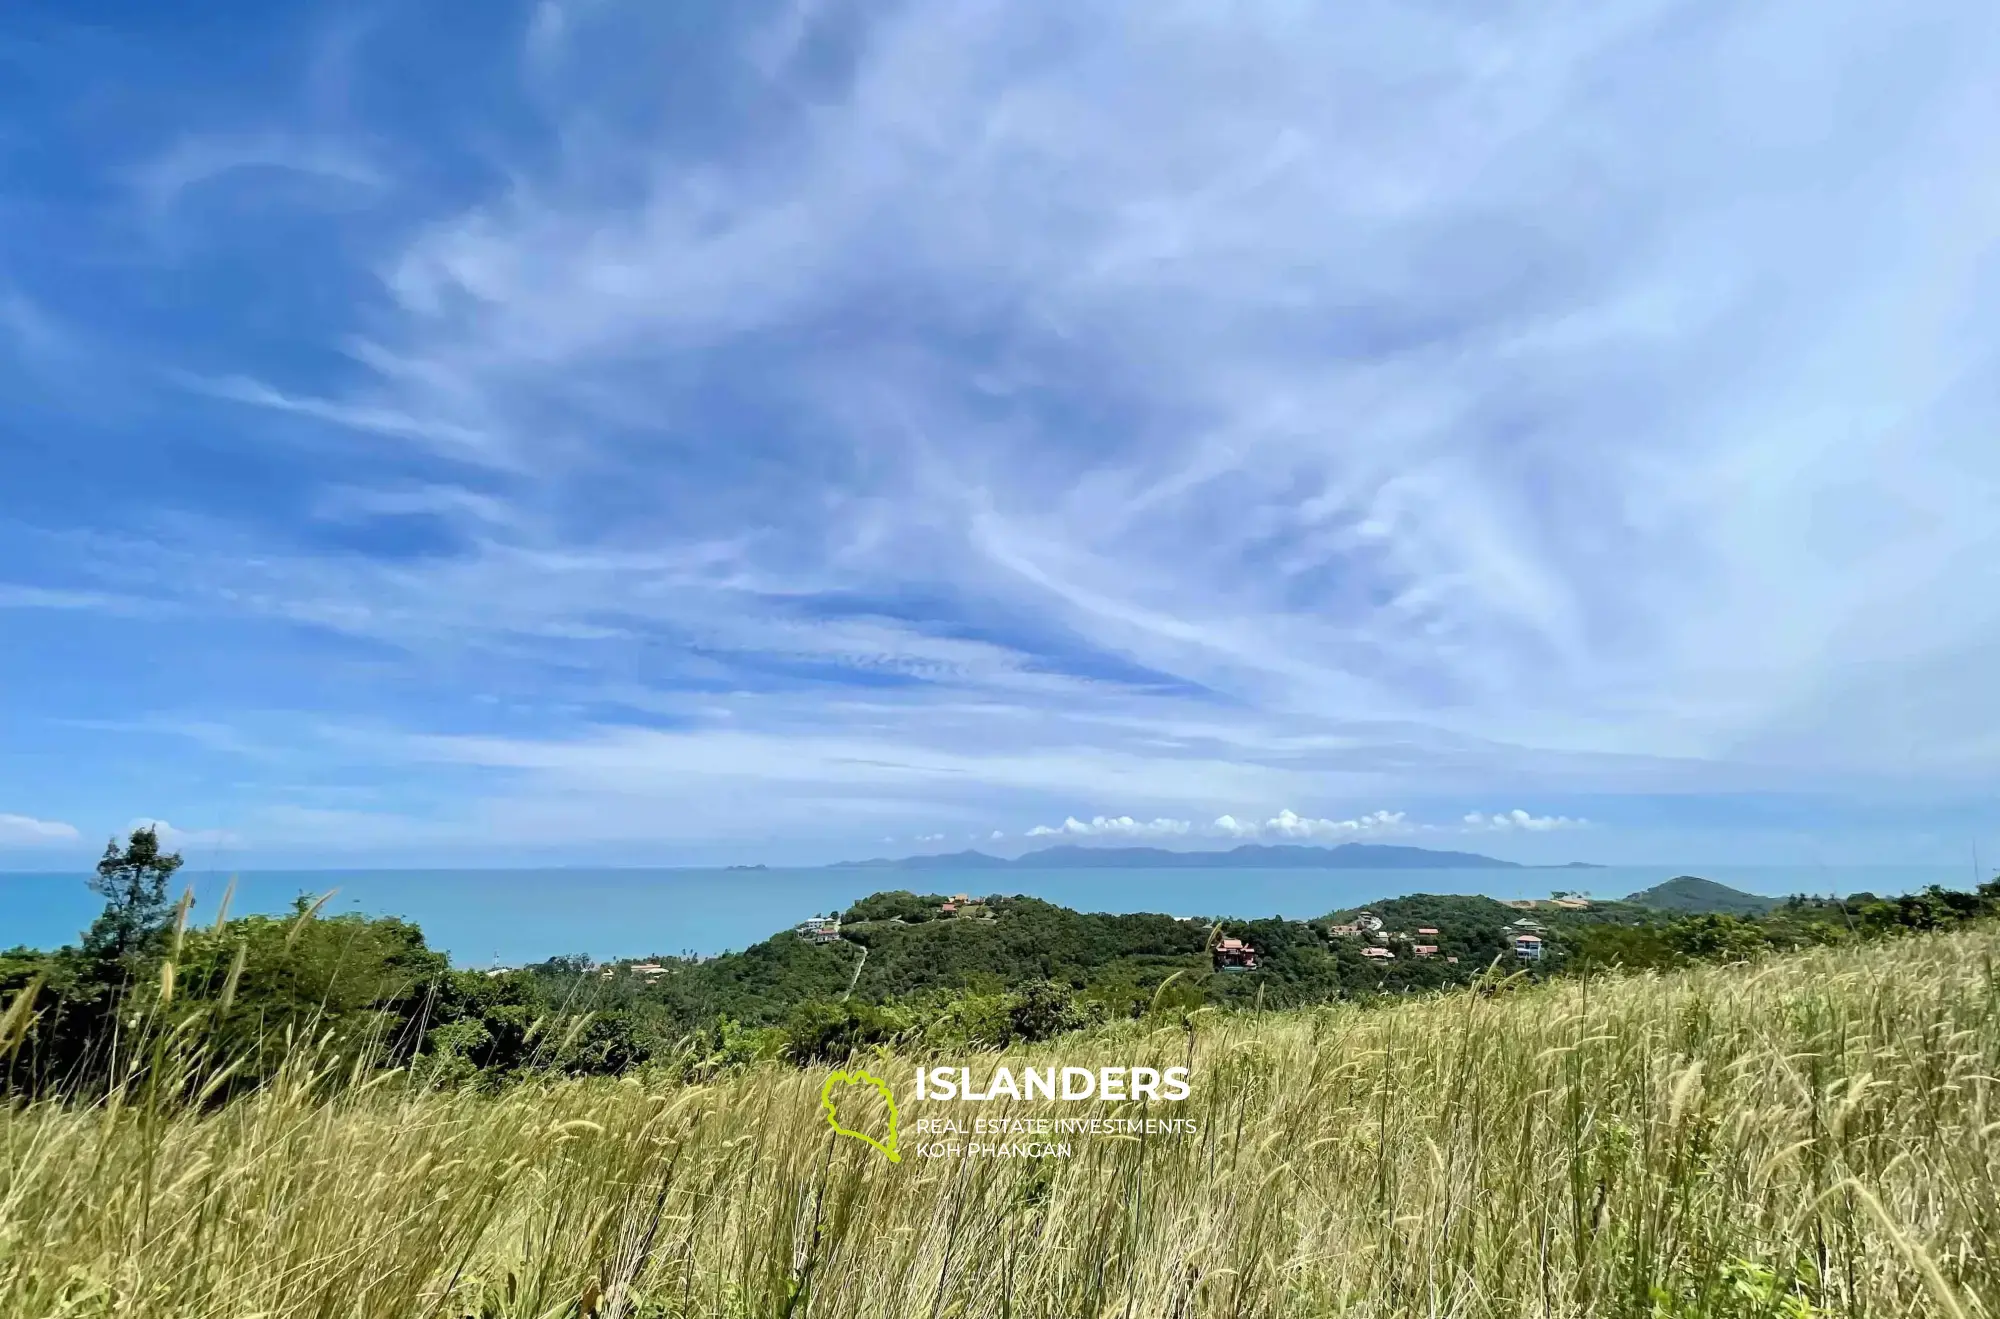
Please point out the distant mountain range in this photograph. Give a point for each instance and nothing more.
(1250, 856)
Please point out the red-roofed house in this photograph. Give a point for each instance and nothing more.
(1235, 955)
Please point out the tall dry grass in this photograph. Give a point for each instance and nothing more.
(1815, 1135)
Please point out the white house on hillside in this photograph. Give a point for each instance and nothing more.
(819, 929)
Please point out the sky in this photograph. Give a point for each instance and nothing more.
(612, 433)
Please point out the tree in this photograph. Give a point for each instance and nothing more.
(1715, 937)
(134, 884)
(822, 1031)
(1043, 1010)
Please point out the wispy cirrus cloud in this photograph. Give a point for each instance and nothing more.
(190, 161)
(15, 596)
(966, 413)
(355, 416)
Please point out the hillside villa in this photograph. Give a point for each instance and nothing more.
(1235, 955)
(1369, 924)
(819, 929)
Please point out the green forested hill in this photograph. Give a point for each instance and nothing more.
(1691, 893)
(899, 946)
(756, 986)
(913, 949)
(1025, 939)
(1440, 910)
(1116, 960)
(910, 951)
(1021, 968)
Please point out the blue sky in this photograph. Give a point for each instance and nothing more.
(610, 432)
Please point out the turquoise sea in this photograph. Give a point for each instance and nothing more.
(514, 916)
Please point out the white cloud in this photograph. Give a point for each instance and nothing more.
(1116, 826)
(172, 838)
(1294, 826)
(1289, 824)
(27, 831)
(1508, 821)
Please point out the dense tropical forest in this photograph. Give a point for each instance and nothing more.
(916, 969)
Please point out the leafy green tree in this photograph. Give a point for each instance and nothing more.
(358, 985)
(820, 1031)
(488, 1021)
(1117, 996)
(1043, 1010)
(728, 1045)
(133, 881)
(1717, 938)
(1627, 947)
(956, 1020)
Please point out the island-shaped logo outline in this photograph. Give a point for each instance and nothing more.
(828, 1108)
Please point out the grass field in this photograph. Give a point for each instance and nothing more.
(1819, 1134)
